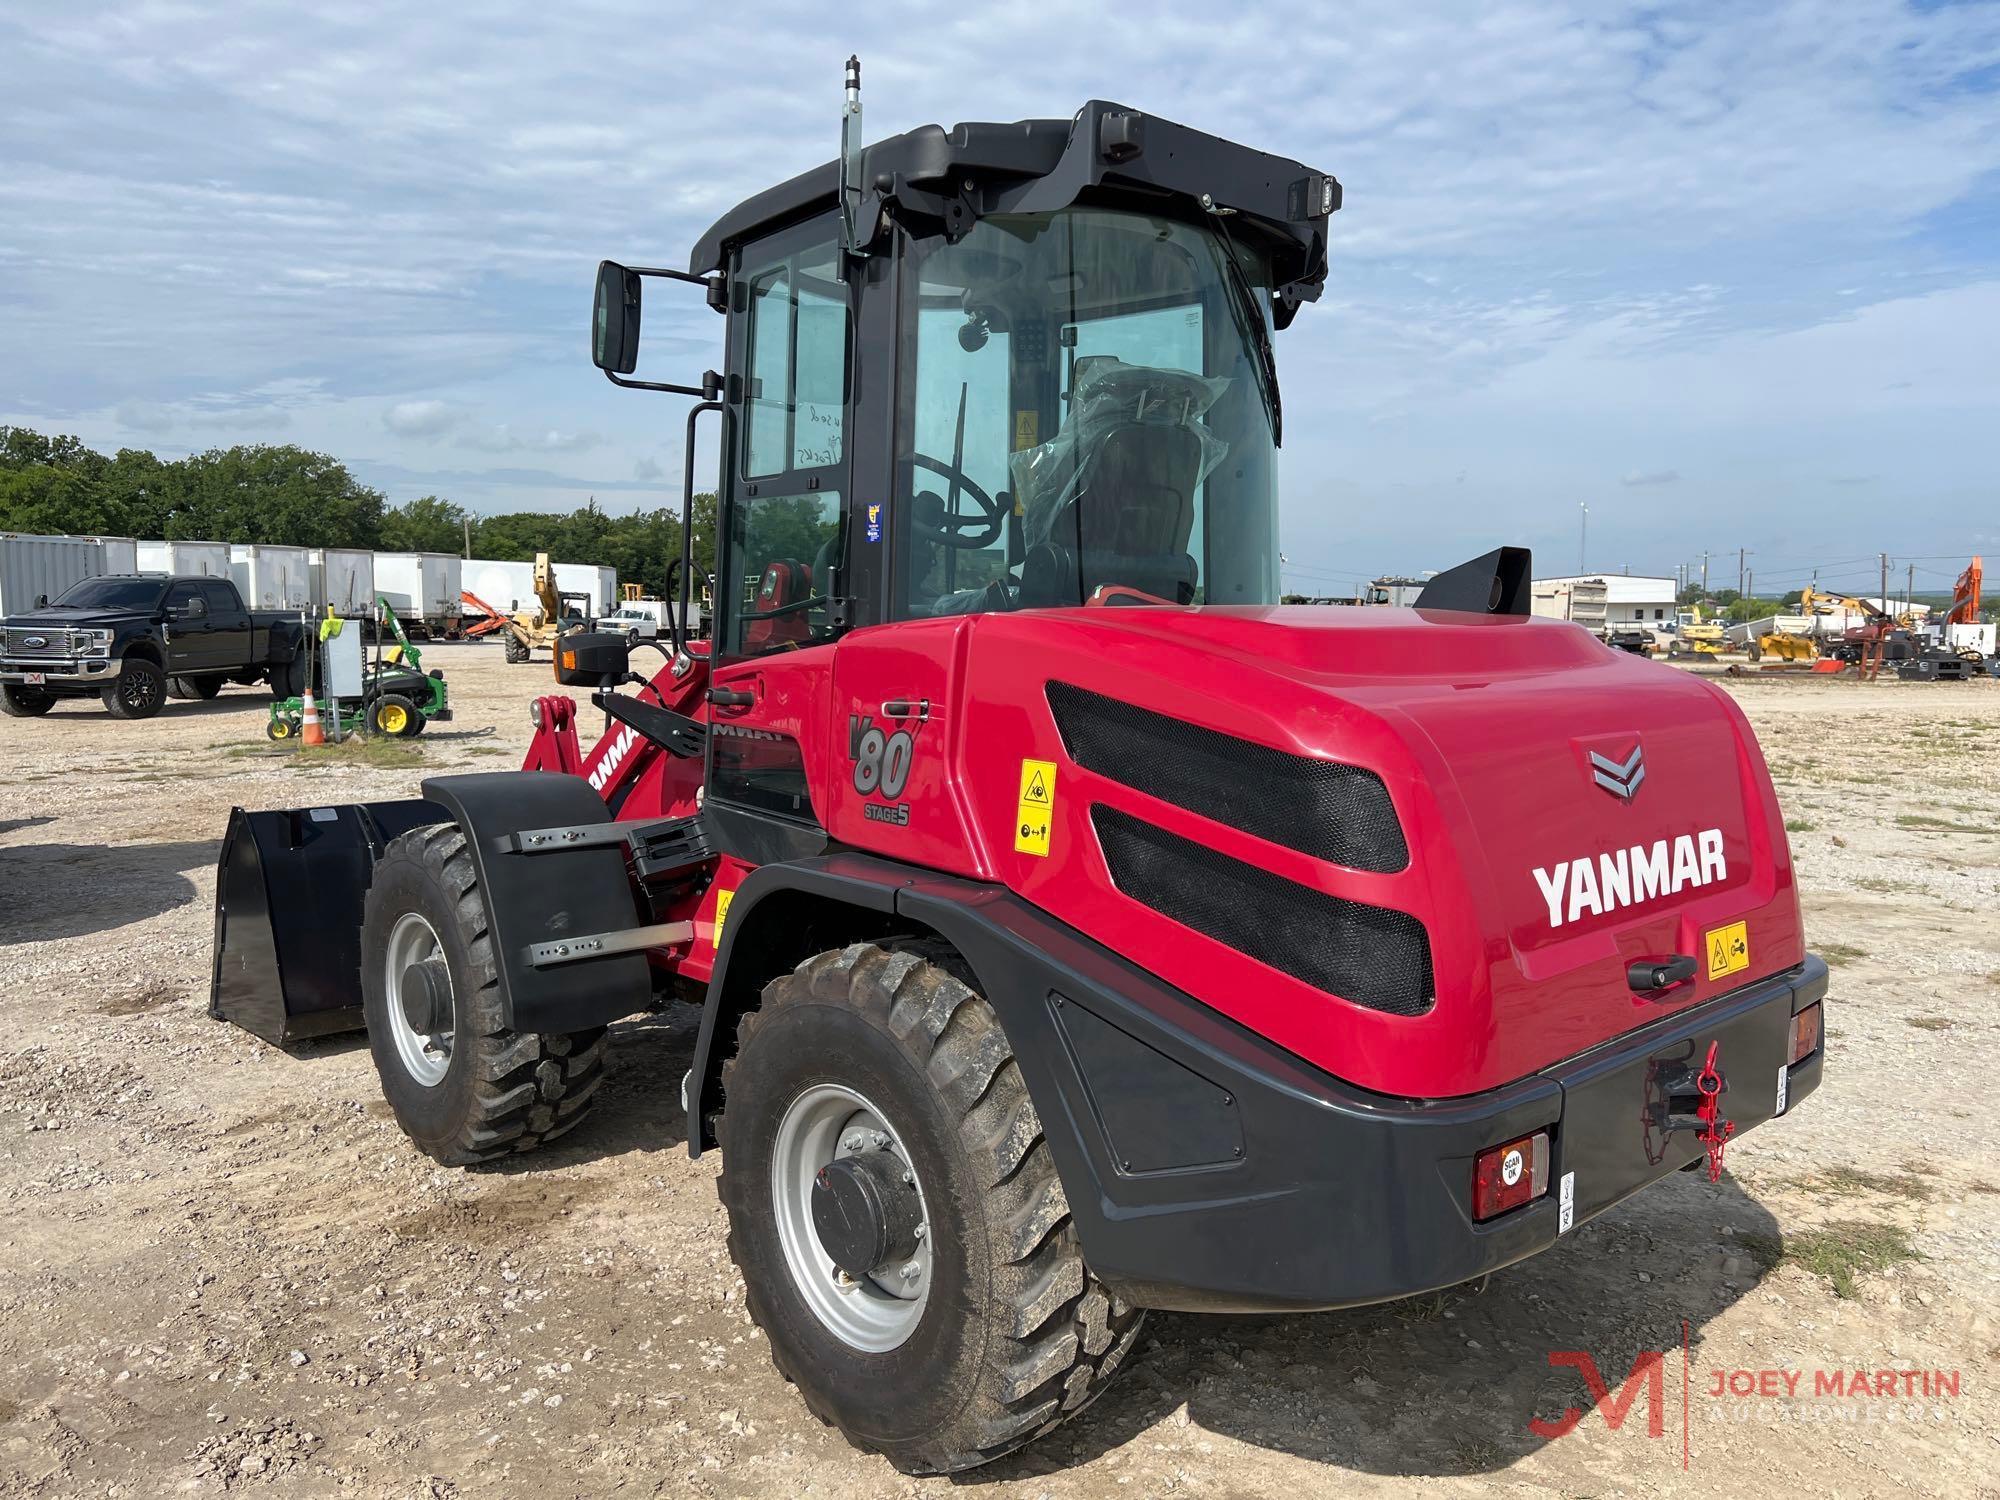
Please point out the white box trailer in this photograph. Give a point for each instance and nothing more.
(210, 559)
(272, 577)
(508, 586)
(343, 580)
(1581, 600)
(422, 587)
(599, 583)
(31, 566)
(121, 553)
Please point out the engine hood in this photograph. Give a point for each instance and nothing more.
(1568, 810)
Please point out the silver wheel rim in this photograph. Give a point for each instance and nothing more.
(873, 1313)
(426, 1056)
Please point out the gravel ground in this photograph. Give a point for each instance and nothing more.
(223, 1269)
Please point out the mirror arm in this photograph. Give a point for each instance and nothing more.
(709, 389)
(715, 286)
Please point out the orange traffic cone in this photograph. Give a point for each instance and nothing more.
(312, 733)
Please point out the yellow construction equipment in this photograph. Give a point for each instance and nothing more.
(1782, 645)
(555, 614)
(1696, 637)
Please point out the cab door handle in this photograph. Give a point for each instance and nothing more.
(723, 697)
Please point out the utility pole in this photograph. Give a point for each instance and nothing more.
(1583, 538)
(468, 537)
(1884, 599)
(1910, 589)
(1741, 554)
(1704, 575)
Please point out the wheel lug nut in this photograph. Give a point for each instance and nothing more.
(879, 1140)
(909, 1179)
(923, 1230)
(911, 1270)
(855, 1141)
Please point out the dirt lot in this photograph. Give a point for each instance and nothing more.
(222, 1268)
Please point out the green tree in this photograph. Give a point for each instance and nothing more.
(283, 495)
(428, 524)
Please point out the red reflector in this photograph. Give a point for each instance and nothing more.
(1505, 1177)
(1805, 1033)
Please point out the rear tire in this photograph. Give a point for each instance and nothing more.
(138, 692)
(18, 702)
(394, 714)
(203, 688)
(477, 1089)
(1014, 1333)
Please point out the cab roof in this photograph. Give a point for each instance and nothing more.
(1105, 152)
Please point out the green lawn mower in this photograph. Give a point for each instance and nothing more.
(398, 697)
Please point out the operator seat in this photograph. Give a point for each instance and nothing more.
(1129, 522)
(785, 581)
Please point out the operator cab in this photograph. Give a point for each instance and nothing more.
(1003, 367)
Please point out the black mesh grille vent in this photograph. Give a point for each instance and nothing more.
(1367, 954)
(1318, 807)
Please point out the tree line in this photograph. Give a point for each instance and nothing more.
(281, 495)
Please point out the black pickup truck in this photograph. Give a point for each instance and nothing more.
(133, 639)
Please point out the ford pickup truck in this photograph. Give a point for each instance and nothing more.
(132, 640)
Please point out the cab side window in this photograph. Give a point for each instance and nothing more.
(784, 544)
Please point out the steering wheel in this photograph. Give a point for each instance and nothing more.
(968, 532)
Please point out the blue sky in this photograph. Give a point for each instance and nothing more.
(1729, 274)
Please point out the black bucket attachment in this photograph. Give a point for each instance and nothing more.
(288, 893)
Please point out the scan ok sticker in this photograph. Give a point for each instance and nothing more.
(1036, 808)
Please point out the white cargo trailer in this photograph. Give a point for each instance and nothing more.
(422, 587)
(508, 586)
(343, 580)
(598, 583)
(272, 577)
(185, 558)
(31, 566)
(121, 553)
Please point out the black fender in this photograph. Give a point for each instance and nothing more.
(552, 893)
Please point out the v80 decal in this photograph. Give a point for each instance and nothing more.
(882, 763)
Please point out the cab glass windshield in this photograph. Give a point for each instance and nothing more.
(1092, 413)
(112, 593)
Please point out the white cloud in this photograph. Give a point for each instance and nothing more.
(421, 418)
(1638, 479)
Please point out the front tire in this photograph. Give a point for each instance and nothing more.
(139, 692)
(464, 1085)
(1014, 1333)
(19, 702)
(515, 649)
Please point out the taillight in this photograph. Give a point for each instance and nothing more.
(1805, 1033)
(1505, 1177)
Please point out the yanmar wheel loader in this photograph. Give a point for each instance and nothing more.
(1076, 931)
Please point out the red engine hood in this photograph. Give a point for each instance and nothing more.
(1538, 879)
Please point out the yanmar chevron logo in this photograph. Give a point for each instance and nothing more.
(1620, 778)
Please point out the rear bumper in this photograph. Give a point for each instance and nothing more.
(1209, 1170)
(1341, 1198)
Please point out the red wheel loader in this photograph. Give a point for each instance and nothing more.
(1075, 930)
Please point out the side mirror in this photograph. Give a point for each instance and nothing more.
(41, 601)
(614, 325)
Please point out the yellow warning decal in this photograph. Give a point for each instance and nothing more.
(1728, 949)
(722, 900)
(1027, 428)
(1036, 809)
